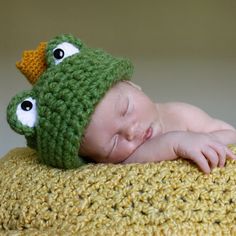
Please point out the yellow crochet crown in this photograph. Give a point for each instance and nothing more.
(33, 63)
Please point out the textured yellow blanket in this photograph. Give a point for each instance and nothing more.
(168, 198)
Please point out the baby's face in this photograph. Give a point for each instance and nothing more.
(122, 121)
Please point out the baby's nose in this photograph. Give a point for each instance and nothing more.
(130, 132)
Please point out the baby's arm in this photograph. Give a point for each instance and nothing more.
(192, 118)
(225, 137)
(198, 120)
(202, 148)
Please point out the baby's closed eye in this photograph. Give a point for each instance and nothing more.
(124, 106)
(127, 107)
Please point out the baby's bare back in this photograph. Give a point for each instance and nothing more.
(185, 117)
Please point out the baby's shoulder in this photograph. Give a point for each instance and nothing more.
(184, 114)
(180, 107)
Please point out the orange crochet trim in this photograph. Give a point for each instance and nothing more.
(33, 63)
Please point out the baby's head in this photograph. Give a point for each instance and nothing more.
(120, 123)
(69, 80)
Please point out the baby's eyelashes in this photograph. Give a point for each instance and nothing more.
(125, 107)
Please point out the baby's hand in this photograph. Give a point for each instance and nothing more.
(203, 149)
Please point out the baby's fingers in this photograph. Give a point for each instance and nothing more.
(202, 163)
(223, 153)
(212, 157)
(230, 154)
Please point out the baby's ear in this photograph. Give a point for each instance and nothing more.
(22, 113)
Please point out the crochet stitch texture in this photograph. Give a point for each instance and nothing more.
(32, 66)
(167, 198)
(65, 95)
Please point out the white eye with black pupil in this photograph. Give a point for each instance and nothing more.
(26, 105)
(58, 54)
(26, 112)
(64, 50)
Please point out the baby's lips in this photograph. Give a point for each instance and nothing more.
(148, 134)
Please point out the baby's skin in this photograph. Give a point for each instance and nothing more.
(128, 127)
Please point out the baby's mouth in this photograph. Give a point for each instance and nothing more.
(148, 134)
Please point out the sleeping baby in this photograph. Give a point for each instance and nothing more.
(83, 107)
(127, 127)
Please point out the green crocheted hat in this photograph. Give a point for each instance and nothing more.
(69, 79)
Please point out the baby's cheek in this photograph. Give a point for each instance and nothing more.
(122, 152)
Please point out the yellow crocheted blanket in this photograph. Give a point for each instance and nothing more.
(167, 198)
